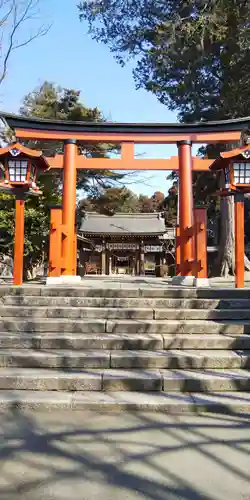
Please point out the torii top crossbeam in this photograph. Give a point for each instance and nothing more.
(144, 133)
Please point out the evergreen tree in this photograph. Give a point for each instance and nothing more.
(51, 102)
(194, 56)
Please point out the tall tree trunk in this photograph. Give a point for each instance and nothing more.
(225, 262)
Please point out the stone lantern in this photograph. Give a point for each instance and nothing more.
(19, 168)
(235, 166)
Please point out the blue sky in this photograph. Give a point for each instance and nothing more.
(67, 56)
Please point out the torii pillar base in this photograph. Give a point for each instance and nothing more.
(190, 282)
(56, 277)
(63, 280)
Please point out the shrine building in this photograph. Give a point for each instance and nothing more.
(126, 243)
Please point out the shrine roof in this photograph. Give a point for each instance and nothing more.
(122, 224)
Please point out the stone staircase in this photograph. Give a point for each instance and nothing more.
(161, 348)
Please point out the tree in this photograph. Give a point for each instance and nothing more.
(7, 216)
(51, 102)
(194, 56)
(170, 205)
(111, 201)
(145, 204)
(16, 15)
(37, 217)
(219, 209)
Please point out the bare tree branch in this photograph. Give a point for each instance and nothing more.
(13, 15)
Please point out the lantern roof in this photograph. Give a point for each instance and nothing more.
(16, 149)
(224, 159)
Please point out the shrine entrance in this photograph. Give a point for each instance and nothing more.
(122, 263)
(191, 234)
(123, 258)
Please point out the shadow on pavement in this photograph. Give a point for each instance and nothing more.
(65, 454)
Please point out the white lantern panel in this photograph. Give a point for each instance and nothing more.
(18, 170)
(241, 173)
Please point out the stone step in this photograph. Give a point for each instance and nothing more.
(176, 380)
(122, 313)
(55, 325)
(206, 341)
(112, 341)
(172, 327)
(171, 403)
(60, 359)
(212, 380)
(126, 359)
(183, 359)
(99, 341)
(148, 327)
(35, 379)
(125, 380)
(122, 341)
(163, 290)
(129, 303)
(202, 314)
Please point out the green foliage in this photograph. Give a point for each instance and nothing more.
(7, 216)
(193, 55)
(113, 200)
(37, 220)
(37, 215)
(170, 205)
(51, 102)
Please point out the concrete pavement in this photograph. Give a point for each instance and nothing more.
(125, 281)
(90, 456)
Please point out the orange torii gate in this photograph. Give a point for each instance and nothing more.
(196, 260)
(126, 135)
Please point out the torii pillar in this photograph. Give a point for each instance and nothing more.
(186, 209)
(186, 219)
(69, 207)
(67, 251)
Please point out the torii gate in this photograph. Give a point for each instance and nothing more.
(126, 135)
